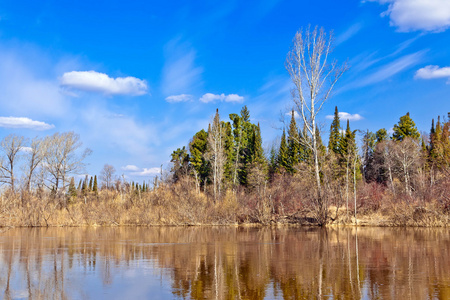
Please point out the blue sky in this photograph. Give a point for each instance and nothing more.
(137, 79)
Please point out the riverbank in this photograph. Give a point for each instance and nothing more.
(99, 214)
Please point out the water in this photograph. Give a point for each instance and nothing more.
(224, 263)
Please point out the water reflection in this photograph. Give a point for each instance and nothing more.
(224, 263)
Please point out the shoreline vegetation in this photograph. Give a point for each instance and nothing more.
(225, 176)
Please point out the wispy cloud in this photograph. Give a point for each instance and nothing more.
(180, 73)
(432, 72)
(349, 33)
(387, 71)
(93, 81)
(21, 122)
(208, 97)
(346, 116)
(422, 15)
(179, 98)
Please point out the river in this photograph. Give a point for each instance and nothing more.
(224, 263)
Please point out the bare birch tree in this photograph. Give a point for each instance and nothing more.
(314, 77)
(10, 146)
(216, 153)
(61, 158)
(107, 175)
(34, 157)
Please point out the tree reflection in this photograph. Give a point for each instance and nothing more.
(231, 263)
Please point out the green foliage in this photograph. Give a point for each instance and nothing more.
(198, 148)
(335, 133)
(293, 145)
(95, 185)
(72, 192)
(283, 153)
(90, 184)
(405, 128)
(381, 135)
(180, 163)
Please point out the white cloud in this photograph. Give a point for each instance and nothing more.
(136, 171)
(346, 116)
(413, 15)
(179, 98)
(147, 172)
(15, 122)
(209, 97)
(432, 72)
(130, 168)
(93, 81)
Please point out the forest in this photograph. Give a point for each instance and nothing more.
(225, 176)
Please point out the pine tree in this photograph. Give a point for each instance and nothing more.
(293, 145)
(335, 133)
(405, 128)
(381, 135)
(198, 148)
(79, 186)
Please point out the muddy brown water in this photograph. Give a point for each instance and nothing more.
(224, 263)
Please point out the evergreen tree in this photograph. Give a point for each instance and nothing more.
(335, 133)
(229, 151)
(72, 192)
(348, 142)
(381, 135)
(90, 184)
(245, 114)
(180, 163)
(368, 147)
(198, 148)
(79, 186)
(293, 145)
(95, 186)
(405, 128)
(283, 153)
(258, 152)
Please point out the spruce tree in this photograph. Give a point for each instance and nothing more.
(258, 152)
(293, 145)
(405, 128)
(90, 184)
(72, 192)
(335, 133)
(95, 186)
(283, 153)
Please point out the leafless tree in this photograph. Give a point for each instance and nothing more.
(216, 153)
(61, 158)
(314, 78)
(107, 175)
(34, 157)
(11, 145)
(407, 155)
